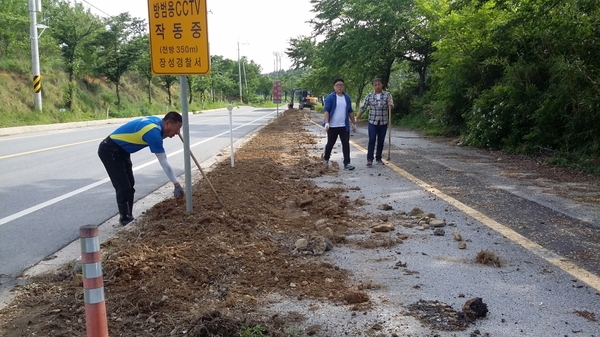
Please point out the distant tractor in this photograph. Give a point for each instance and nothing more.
(304, 98)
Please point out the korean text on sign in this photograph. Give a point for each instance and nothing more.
(178, 37)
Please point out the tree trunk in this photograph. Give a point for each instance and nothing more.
(169, 93)
(118, 94)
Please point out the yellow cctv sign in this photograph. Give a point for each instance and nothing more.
(178, 37)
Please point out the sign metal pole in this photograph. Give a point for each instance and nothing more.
(179, 46)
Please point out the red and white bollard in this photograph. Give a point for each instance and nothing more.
(93, 283)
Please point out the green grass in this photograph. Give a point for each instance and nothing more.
(421, 122)
(93, 99)
(578, 162)
(254, 331)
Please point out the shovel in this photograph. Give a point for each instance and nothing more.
(203, 175)
(389, 131)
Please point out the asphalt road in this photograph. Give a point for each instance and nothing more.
(52, 182)
(566, 228)
(541, 289)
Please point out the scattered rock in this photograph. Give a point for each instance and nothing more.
(457, 236)
(462, 245)
(385, 207)
(402, 236)
(377, 327)
(78, 280)
(301, 244)
(383, 228)
(439, 232)
(437, 223)
(319, 245)
(321, 222)
(303, 202)
(416, 211)
(329, 244)
(474, 308)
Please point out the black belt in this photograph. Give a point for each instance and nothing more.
(110, 143)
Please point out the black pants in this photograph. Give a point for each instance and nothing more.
(119, 168)
(332, 136)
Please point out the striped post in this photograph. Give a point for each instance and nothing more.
(93, 283)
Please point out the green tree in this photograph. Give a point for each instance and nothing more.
(14, 31)
(301, 51)
(168, 81)
(73, 27)
(519, 75)
(118, 48)
(143, 66)
(362, 40)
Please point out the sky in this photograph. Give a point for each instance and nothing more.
(262, 27)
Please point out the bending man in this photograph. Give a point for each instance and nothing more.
(116, 149)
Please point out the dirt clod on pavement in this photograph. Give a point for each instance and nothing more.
(206, 273)
(489, 258)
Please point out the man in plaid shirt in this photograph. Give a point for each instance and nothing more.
(377, 102)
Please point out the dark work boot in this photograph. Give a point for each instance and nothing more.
(125, 215)
(130, 204)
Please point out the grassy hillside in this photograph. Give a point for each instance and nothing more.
(93, 97)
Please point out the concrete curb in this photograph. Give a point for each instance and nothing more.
(62, 126)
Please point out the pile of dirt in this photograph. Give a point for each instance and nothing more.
(205, 273)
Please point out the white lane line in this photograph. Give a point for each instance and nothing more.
(49, 148)
(50, 202)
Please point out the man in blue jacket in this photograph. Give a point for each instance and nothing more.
(337, 117)
(116, 149)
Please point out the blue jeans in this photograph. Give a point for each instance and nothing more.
(376, 134)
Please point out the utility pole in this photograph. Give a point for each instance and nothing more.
(239, 71)
(245, 77)
(277, 62)
(34, 7)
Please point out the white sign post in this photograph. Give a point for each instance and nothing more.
(230, 108)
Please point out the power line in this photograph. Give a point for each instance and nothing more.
(96, 8)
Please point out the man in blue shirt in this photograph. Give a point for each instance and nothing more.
(116, 149)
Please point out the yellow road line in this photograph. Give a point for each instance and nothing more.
(563, 263)
(49, 148)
